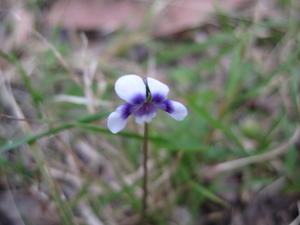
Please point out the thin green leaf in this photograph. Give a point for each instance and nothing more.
(30, 139)
(205, 192)
(235, 72)
(123, 134)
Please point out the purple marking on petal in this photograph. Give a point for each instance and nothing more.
(146, 109)
(158, 98)
(167, 106)
(138, 99)
(127, 109)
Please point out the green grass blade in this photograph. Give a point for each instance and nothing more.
(81, 123)
(205, 192)
(235, 72)
(27, 140)
(122, 134)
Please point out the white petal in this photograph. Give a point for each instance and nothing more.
(179, 110)
(139, 119)
(130, 85)
(149, 118)
(115, 122)
(144, 118)
(157, 87)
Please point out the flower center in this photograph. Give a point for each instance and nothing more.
(147, 108)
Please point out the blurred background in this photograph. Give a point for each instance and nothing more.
(233, 160)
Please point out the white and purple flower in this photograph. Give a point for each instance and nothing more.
(144, 97)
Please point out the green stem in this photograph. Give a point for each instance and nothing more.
(145, 176)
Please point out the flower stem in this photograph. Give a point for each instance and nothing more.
(145, 170)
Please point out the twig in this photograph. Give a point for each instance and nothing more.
(230, 165)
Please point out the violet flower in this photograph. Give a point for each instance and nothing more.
(144, 97)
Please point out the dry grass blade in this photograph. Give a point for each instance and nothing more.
(234, 164)
(297, 220)
(89, 216)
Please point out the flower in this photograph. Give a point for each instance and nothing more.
(144, 97)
